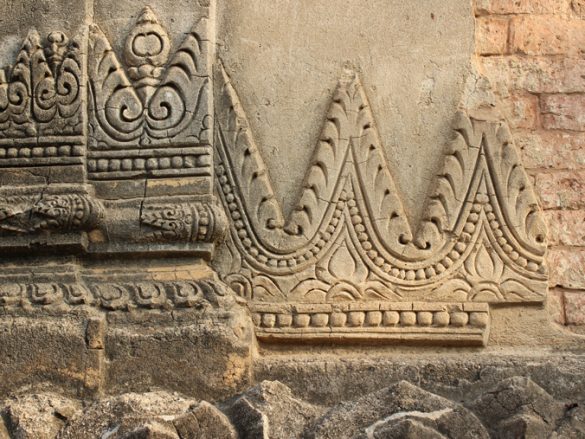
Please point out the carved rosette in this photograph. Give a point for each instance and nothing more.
(482, 238)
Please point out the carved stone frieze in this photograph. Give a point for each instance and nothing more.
(79, 290)
(65, 212)
(157, 139)
(482, 237)
(151, 116)
(41, 96)
(444, 323)
(183, 222)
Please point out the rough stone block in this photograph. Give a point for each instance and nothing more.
(205, 360)
(575, 307)
(563, 111)
(567, 267)
(535, 74)
(551, 149)
(561, 189)
(522, 110)
(491, 35)
(41, 350)
(566, 227)
(539, 35)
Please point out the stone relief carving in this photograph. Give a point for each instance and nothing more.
(184, 222)
(151, 113)
(155, 117)
(113, 296)
(63, 212)
(482, 238)
(41, 95)
(455, 323)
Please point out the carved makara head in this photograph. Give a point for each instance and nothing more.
(146, 52)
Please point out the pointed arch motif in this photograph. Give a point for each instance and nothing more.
(482, 238)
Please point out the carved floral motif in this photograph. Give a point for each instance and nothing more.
(162, 99)
(112, 296)
(182, 222)
(482, 237)
(64, 212)
(41, 94)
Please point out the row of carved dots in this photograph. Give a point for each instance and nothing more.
(252, 250)
(482, 202)
(372, 319)
(204, 219)
(399, 273)
(150, 164)
(42, 151)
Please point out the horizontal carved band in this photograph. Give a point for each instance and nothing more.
(29, 214)
(112, 296)
(465, 324)
(46, 155)
(162, 162)
(183, 222)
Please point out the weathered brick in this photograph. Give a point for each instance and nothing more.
(522, 6)
(539, 35)
(535, 74)
(95, 333)
(561, 189)
(567, 267)
(563, 111)
(491, 35)
(574, 303)
(551, 149)
(577, 37)
(521, 110)
(497, 71)
(578, 8)
(566, 227)
(556, 305)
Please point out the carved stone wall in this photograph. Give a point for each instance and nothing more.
(196, 196)
(482, 237)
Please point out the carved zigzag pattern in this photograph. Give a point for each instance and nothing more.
(482, 199)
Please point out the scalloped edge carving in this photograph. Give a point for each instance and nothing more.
(482, 237)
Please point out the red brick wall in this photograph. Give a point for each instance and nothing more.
(533, 52)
